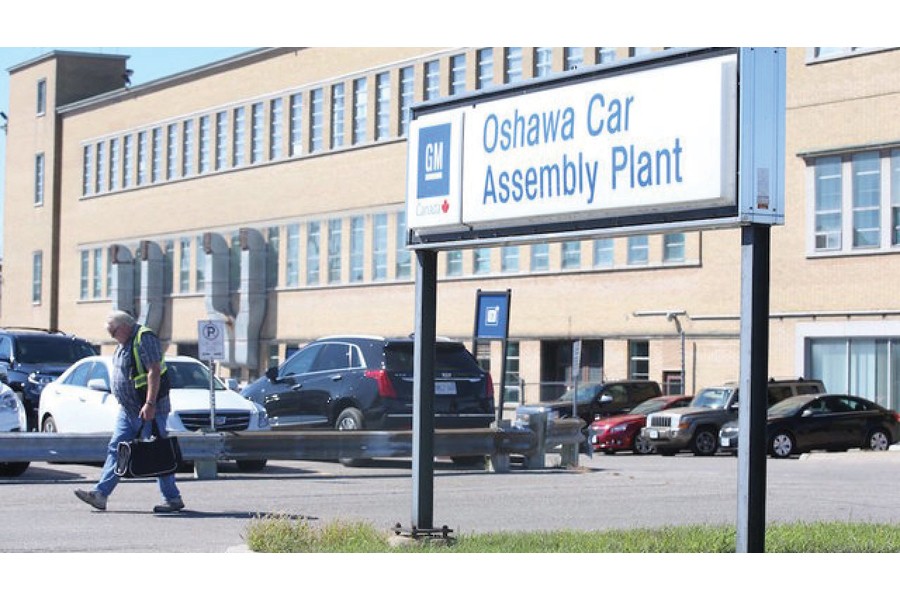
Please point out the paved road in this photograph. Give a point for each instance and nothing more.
(39, 512)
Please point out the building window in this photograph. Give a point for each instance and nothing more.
(360, 109)
(87, 170)
(273, 250)
(100, 173)
(673, 247)
(862, 366)
(292, 260)
(573, 58)
(127, 160)
(187, 149)
(156, 158)
(41, 96)
(638, 359)
(513, 65)
(221, 140)
(540, 257)
(638, 250)
(855, 197)
(379, 246)
(184, 266)
(317, 120)
(432, 80)
(404, 256)
(238, 136)
(37, 275)
(605, 55)
(200, 266)
(485, 58)
(113, 172)
(357, 248)
(406, 98)
(604, 253)
(454, 263)
(337, 115)
(276, 127)
(457, 74)
(203, 142)
(383, 106)
(571, 255)
(85, 274)
(97, 274)
(509, 259)
(171, 151)
(109, 278)
(334, 250)
(256, 132)
(481, 261)
(39, 179)
(169, 267)
(296, 124)
(543, 61)
(639, 51)
(313, 234)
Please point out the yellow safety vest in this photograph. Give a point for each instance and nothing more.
(140, 376)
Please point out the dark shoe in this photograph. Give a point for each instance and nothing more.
(94, 498)
(169, 506)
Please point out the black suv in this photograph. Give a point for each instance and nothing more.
(604, 399)
(36, 357)
(361, 382)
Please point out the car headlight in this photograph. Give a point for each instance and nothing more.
(262, 417)
(8, 401)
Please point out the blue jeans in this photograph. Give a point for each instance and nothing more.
(127, 428)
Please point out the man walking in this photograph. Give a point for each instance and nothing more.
(141, 386)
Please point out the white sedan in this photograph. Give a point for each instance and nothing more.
(80, 401)
(12, 418)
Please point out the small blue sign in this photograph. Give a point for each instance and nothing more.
(492, 315)
(434, 161)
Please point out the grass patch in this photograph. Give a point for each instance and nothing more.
(283, 534)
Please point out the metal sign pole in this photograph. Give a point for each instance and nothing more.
(423, 391)
(212, 397)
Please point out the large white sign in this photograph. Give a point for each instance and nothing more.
(656, 140)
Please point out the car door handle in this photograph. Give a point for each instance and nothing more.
(296, 387)
(337, 377)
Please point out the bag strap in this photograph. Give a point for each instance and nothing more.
(154, 430)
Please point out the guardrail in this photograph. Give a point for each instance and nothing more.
(204, 449)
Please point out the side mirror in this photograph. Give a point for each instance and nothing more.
(807, 413)
(98, 385)
(232, 384)
(272, 373)
(606, 399)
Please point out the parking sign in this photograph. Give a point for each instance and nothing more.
(211, 340)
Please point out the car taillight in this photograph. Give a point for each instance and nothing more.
(897, 417)
(385, 387)
(490, 386)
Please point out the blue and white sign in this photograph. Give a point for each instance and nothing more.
(435, 157)
(492, 315)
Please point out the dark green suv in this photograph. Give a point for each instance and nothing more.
(35, 357)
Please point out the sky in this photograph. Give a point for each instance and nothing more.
(148, 63)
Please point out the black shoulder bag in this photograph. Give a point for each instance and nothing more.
(151, 457)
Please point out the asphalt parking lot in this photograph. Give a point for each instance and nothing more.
(40, 513)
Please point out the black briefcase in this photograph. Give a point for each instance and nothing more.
(151, 457)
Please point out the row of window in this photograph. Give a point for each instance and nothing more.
(856, 202)
(304, 121)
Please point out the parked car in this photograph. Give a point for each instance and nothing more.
(366, 382)
(12, 419)
(604, 399)
(696, 427)
(823, 422)
(80, 401)
(34, 358)
(622, 432)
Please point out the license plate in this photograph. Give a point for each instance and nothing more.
(652, 434)
(593, 439)
(445, 388)
(725, 442)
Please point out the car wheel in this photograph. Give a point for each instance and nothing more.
(49, 425)
(782, 445)
(704, 443)
(13, 469)
(251, 466)
(350, 419)
(878, 440)
(641, 446)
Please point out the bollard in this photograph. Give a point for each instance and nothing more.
(206, 469)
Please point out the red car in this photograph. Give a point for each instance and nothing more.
(622, 432)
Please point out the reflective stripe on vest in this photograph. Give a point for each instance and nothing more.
(140, 379)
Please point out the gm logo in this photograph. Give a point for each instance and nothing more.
(434, 161)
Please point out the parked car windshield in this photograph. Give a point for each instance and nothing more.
(584, 393)
(648, 406)
(711, 398)
(448, 358)
(788, 407)
(190, 376)
(52, 350)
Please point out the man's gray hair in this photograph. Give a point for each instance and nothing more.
(120, 317)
